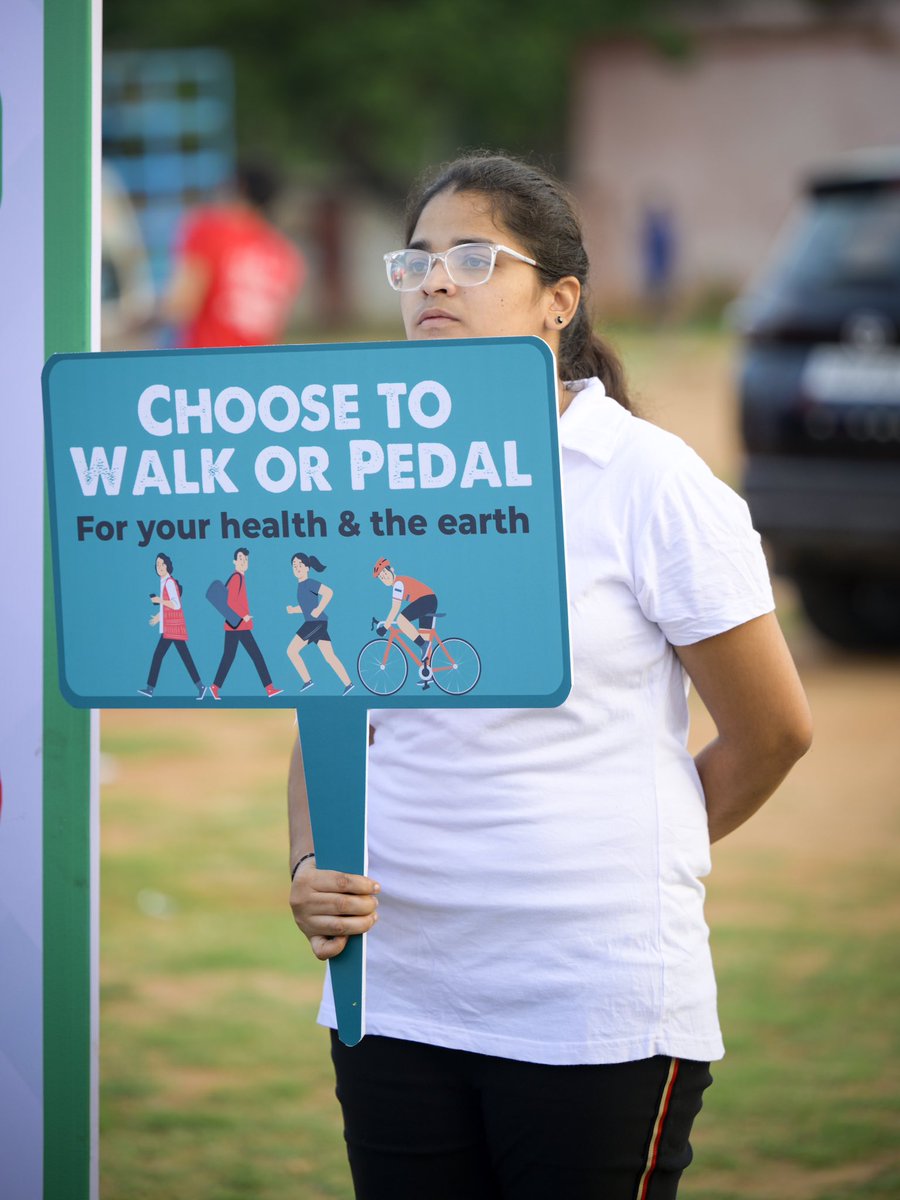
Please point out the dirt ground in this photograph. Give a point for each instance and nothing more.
(842, 802)
(835, 819)
(840, 808)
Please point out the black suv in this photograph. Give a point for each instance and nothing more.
(820, 401)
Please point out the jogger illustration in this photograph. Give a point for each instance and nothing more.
(172, 628)
(312, 598)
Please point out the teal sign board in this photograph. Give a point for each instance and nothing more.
(328, 528)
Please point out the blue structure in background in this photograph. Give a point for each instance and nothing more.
(168, 130)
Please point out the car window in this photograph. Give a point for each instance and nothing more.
(844, 238)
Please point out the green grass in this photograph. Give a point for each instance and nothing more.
(216, 1082)
(123, 743)
(805, 1102)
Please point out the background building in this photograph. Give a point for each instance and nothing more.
(716, 129)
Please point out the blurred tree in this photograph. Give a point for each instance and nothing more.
(381, 88)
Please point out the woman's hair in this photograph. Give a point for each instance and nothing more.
(537, 209)
(168, 565)
(308, 560)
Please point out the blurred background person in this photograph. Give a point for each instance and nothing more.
(236, 277)
(127, 296)
(658, 245)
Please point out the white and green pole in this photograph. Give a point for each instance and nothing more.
(49, 123)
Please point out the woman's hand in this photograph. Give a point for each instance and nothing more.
(330, 906)
(154, 620)
(294, 608)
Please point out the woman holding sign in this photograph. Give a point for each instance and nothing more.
(540, 997)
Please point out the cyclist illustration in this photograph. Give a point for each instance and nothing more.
(383, 664)
(421, 604)
(313, 596)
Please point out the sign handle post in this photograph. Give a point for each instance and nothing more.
(335, 738)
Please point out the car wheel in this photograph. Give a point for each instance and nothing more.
(858, 612)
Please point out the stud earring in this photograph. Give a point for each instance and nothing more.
(559, 320)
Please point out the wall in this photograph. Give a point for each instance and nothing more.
(723, 137)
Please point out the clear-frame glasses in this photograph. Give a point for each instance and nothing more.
(468, 265)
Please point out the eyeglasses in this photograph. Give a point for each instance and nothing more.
(467, 265)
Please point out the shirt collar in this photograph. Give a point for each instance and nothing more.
(593, 421)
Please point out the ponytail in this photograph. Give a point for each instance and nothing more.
(583, 353)
(308, 560)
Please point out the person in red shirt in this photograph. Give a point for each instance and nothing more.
(236, 278)
(239, 603)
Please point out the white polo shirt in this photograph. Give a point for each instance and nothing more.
(540, 868)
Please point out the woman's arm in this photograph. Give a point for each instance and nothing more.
(325, 594)
(328, 906)
(748, 682)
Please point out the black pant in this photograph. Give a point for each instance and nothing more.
(159, 654)
(424, 1122)
(422, 610)
(248, 641)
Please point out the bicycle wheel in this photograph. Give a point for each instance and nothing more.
(456, 666)
(382, 667)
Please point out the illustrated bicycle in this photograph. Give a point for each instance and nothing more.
(451, 663)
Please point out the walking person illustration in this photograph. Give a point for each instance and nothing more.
(239, 603)
(313, 596)
(172, 628)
